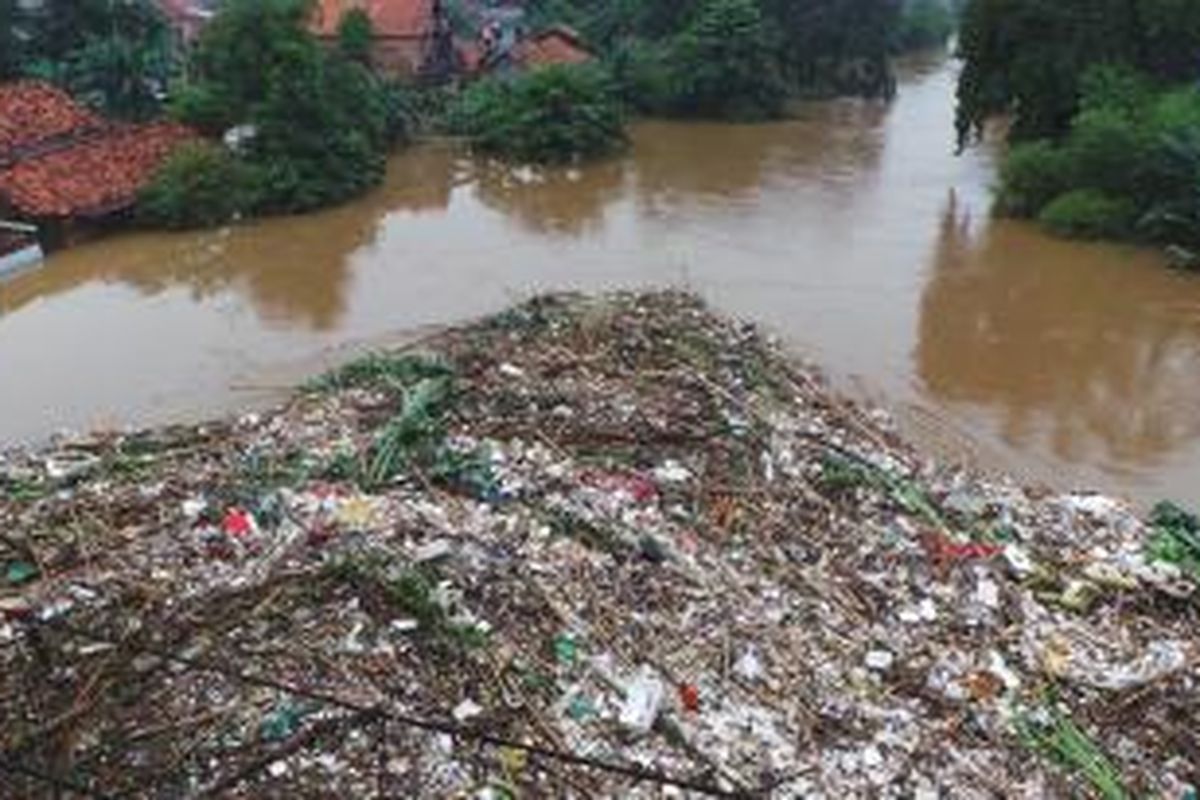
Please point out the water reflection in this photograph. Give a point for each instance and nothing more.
(834, 229)
(293, 271)
(567, 202)
(1090, 352)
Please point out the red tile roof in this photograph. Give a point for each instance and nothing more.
(557, 45)
(57, 159)
(31, 113)
(404, 19)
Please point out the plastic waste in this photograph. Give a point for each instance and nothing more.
(644, 696)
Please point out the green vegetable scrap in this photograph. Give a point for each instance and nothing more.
(839, 472)
(1056, 736)
(413, 433)
(1176, 538)
(380, 371)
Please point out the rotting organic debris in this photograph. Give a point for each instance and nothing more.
(621, 527)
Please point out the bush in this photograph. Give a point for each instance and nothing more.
(200, 186)
(1106, 151)
(1031, 176)
(202, 106)
(1089, 214)
(552, 115)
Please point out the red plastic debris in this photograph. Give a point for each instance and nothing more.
(941, 549)
(238, 523)
(641, 488)
(689, 696)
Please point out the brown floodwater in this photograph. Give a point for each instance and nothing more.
(853, 231)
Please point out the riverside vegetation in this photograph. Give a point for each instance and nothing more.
(1105, 114)
(313, 125)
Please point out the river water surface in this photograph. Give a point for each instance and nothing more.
(852, 231)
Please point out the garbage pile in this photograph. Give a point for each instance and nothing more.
(590, 547)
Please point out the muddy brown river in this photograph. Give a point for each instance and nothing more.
(852, 231)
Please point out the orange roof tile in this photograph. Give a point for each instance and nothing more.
(557, 45)
(95, 175)
(32, 112)
(390, 18)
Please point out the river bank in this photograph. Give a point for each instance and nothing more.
(622, 530)
(852, 232)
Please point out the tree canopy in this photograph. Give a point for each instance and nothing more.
(828, 45)
(319, 122)
(115, 56)
(1028, 57)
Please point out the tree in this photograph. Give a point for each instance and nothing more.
(244, 48)
(114, 55)
(923, 23)
(321, 123)
(321, 133)
(721, 64)
(355, 36)
(837, 45)
(11, 47)
(1029, 56)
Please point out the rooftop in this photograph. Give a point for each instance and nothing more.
(32, 112)
(92, 176)
(555, 45)
(390, 18)
(58, 159)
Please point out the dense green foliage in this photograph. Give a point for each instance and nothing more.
(720, 65)
(818, 46)
(1089, 214)
(11, 44)
(322, 123)
(115, 56)
(923, 23)
(1028, 57)
(550, 115)
(355, 34)
(202, 185)
(1129, 166)
(1105, 110)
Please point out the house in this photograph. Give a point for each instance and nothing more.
(60, 163)
(556, 45)
(504, 51)
(413, 38)
(188, 18)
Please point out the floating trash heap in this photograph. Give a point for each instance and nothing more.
(591, 547)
